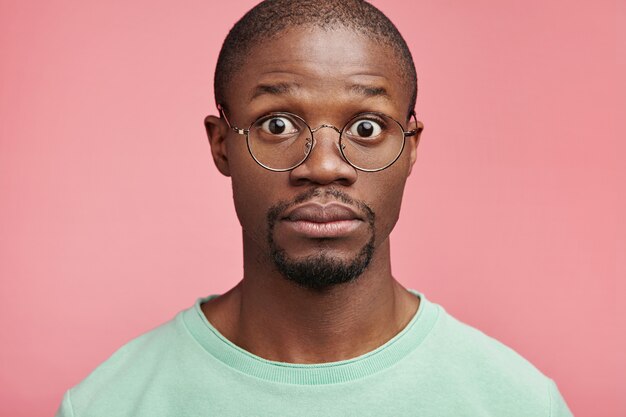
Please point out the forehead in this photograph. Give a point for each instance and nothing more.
(326, 67)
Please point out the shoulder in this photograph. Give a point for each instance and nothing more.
(465, 360)
(142, 351)
(149, 360)
(485, 351)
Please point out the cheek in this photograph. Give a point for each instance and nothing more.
(386, 201)
(251, 208)
(255, 191)
(249, 194)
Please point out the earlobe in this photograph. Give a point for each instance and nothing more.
(217, 130)
(413, 143)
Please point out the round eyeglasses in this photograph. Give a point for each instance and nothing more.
(281, 141)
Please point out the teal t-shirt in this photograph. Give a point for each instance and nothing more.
(435, 367)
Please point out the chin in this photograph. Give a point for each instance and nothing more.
(322, 269)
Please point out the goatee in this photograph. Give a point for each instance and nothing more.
(322, 270)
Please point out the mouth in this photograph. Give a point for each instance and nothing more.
(316, 220)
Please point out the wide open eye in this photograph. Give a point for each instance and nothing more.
(365, 127)
(278, 125)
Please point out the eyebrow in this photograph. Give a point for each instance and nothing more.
(273, 89)
(288, 88)
(369, 91)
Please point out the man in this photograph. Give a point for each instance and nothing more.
(317, 131)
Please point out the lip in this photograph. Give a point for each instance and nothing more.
(316, 220)
(321, 213)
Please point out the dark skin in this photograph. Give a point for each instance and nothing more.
(325, 77)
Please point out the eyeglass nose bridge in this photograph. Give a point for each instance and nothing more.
(335, 128)
(311, 141)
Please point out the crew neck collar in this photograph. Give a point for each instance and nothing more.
(407, 340)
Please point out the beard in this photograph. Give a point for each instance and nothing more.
(322, 270)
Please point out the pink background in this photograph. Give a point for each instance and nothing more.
(113, 217)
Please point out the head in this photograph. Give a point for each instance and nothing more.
(322, 222)
(269, 18)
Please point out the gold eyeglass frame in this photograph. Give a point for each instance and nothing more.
(246, 132)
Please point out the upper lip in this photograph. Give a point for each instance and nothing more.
(321, 213)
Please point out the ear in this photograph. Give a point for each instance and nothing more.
(217, 131)
(413, 142)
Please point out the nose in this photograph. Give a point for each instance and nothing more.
(324, 164)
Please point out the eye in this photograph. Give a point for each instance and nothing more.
(278, 125)
(365, 128)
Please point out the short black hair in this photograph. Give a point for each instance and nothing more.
(268, 18)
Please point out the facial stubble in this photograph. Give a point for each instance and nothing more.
(321, 270)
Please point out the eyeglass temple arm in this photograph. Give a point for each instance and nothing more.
(220, 109)
(414, 131)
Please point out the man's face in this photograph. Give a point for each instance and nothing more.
(324, 221)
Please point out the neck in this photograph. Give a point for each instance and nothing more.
(276, 319)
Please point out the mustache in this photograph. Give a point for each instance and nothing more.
(275, 212)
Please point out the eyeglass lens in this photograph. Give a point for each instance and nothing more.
(282, 141)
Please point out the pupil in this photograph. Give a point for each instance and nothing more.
(365, 129)
(277, 126)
